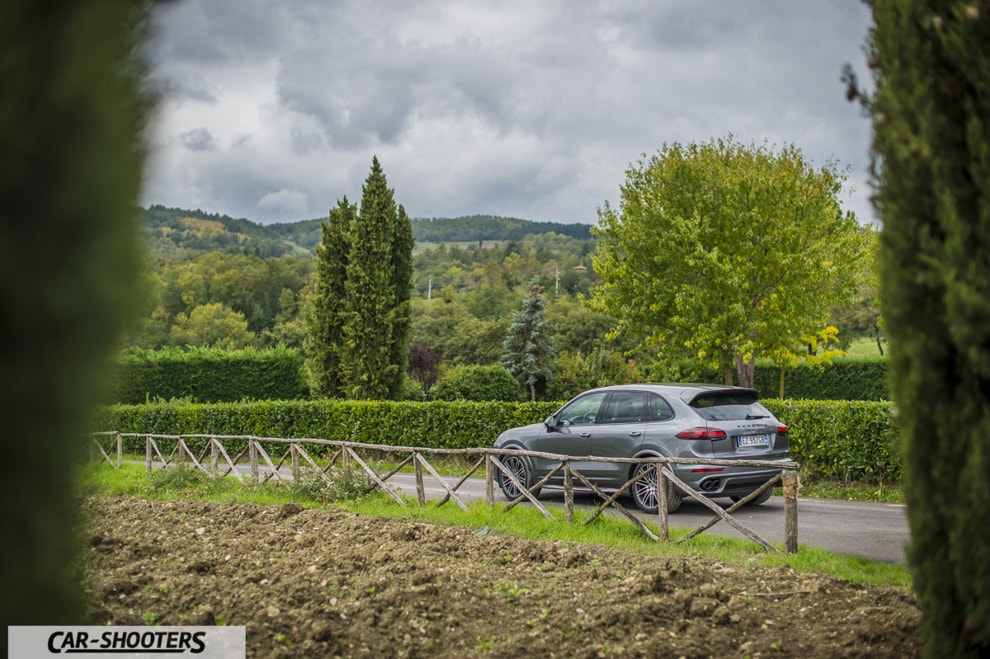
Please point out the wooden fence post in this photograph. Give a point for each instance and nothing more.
(294, 452)
(662, 502)
(253, 457)
(568, 492)
(791, 485)
(147, 452)
(489, 482)
(120, 451)
(420, 490)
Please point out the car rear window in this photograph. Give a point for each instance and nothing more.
(729, 406)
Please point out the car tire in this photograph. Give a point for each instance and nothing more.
(521, 469)
(763, 498)
(644, 492)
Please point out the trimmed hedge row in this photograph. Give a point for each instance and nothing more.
(835, 439)
(846, 378)
(209, 375)
(213, 375)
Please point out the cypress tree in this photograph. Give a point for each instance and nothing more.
(931, 113)
(71, 112)
(375, 317)
(324, 319)
(402, 273)
(529, 348)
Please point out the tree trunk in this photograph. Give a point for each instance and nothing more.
(782, 371)
(532, 391)
(728, 373)
(745, 371)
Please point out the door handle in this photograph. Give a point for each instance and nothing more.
(586, 434)
(635, 433)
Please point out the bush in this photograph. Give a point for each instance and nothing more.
(209, 375)
(850, 440)
(477, 383)
(846, 378)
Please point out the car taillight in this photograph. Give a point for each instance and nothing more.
(781, 430)
(702, 433)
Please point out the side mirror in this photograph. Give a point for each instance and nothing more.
(550, 422)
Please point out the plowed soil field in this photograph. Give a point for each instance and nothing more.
(324, 583)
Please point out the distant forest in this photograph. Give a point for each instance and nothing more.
(176, 232)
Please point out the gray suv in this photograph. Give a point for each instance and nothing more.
(651, 420)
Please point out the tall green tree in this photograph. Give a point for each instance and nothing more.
(360, 313)
(327, 302)
(931, 118)
(402, 242)
(722, 252)
(71, 113)
(529, 346)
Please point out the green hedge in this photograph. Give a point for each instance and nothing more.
(845, 440)
(852, 440)
(209, 375)
(846, 378)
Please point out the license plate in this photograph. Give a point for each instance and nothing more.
(753, 440)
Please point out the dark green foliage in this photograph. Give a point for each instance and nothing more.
(402, 275)
(70, 113)
(488, 227)
(834, 439)
(529, 346)
(842, 440)
(207, 375)
(846, 378)
(476, 383)
(325, 315)
(574, 373)
(178, 233)
(360, 314)
(931, 115)
(376, 314)
(175, 232)
(440, 424)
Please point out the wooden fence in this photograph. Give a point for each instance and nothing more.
(214, 457)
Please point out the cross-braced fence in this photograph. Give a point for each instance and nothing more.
(213, 454)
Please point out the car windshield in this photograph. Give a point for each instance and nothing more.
(729, 406)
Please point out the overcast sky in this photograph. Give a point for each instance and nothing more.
(272, 111)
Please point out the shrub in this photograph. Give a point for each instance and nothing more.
(477, 383)
(853, 440)
(209, 375)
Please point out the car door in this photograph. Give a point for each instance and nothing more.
(618, 434)
(570, 434)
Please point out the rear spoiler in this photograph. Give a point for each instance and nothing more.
(690, 397)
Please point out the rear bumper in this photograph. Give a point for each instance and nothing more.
(733, 482)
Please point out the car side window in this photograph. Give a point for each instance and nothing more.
(583, 411)
(662, 411)
(625, 407)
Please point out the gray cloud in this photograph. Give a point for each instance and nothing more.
(199, 139)
(526, 109)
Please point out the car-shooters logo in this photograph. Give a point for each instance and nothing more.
(145, 641)
(200, 642)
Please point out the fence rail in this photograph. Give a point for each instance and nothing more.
(215, 457)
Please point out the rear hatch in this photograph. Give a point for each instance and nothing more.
(751, 430)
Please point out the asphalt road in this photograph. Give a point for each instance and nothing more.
(876, 531)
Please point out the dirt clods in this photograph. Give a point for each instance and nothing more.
(318, 583)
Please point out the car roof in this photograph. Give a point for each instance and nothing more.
(683, 390)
